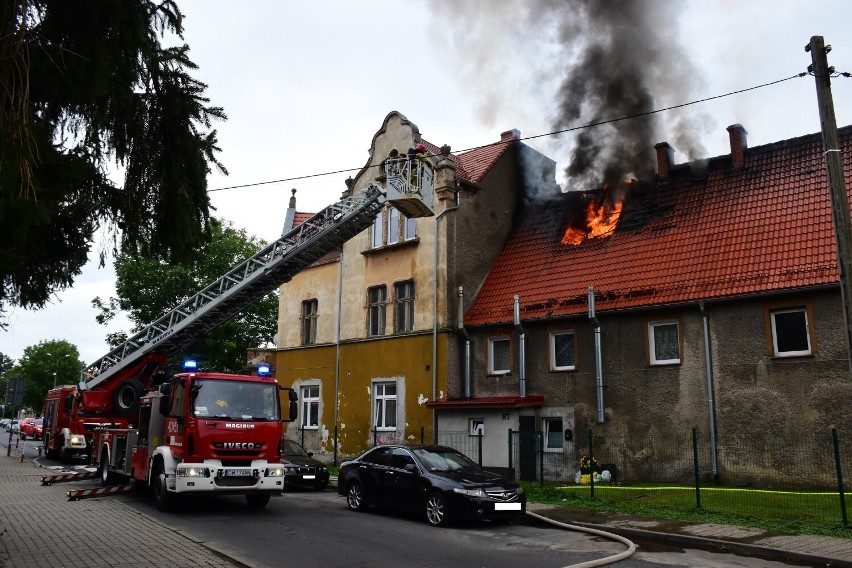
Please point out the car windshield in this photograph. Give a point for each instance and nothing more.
(291, 448)
(235, 400)
(444, 460)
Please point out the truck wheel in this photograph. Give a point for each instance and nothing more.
(107, 477)
(52, 454)
(257, 500)
(64, 454)
(163, 500)
(125, 399)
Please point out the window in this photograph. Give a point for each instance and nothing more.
(310, 407)
(790, 332)
(376, 298)
(562, 350)
(664, 342)
(499, 356)
(404, 313)
(377, 236)
(477, 426)
(384, 397)
(552, 434)
(309, 322)
(393, 225)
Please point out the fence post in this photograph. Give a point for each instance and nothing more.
(511, 467)
(302, 436)
(835, 440)
(479, 435)
(375, 433)
(335, 444)
(591, 461)
(695, 468)
(541, 458)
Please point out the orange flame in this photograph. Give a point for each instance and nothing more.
(601, 220)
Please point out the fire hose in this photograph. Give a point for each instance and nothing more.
(631, 547)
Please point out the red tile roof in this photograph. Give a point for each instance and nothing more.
(472, 165)
(765, 228)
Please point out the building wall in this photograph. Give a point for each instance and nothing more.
(758, 398)
(405, 360)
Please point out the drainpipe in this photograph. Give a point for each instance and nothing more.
(337, 353)
(711, 402)
(522, 339)
(435, 314)
(466, 344)
(598, 362)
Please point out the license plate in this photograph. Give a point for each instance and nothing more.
(507, 506)
(236, 473)
(309, 477)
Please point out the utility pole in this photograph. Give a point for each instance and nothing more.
(837, 184)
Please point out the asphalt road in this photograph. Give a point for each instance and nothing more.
(315, 529)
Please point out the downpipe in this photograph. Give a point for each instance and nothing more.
(711, 396)
(598, 360)
(522, 339)
(467, 389)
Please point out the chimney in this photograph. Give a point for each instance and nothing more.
(737, 134)
(665, 159)
(290, 217)
(510, 135)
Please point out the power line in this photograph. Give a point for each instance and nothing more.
(554, 133)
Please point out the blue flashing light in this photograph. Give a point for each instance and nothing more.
(263, 370)
(190, 365)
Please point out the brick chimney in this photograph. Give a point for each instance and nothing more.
(737, 134)
(510, 135)
(665, 159)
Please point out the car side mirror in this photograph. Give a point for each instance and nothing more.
(412, 467)
(166, 399)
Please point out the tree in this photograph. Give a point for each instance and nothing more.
(84, 84)
(38, 365)
(148, 286)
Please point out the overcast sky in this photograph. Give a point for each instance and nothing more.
(305, 86)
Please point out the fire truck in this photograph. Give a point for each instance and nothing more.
(201, 432)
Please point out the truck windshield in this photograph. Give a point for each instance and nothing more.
(235, 400)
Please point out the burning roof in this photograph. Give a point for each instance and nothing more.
(765, 227)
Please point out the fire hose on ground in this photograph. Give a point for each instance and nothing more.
(631, 547)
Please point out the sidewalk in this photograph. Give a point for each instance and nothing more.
(40, 528)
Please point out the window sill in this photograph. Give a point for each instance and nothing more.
(386, 248)
(500, 374)
(563, 370)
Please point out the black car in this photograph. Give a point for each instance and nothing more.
(302, 469)
(438, 481)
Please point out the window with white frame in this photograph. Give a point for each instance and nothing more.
(562, 350)
(376, 308)
(553, 436)
(477, 426)
(384, 405)
(377, 232)
(393, 225)
(664, 342)
(404, 308)
(309, 322)
(790, 332)
(499, 355)
(310, 407)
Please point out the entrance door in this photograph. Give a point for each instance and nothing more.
(526, 447)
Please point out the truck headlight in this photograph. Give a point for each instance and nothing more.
(77, 440)
(193, 471)
(277, 471)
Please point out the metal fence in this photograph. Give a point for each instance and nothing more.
(802, 481)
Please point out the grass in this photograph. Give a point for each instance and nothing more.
(779, 512)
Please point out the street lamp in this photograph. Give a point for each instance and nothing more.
(56, 365)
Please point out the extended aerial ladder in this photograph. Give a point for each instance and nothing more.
(117, 379)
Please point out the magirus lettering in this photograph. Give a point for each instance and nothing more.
(239, 425)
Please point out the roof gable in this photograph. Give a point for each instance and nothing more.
(764, 228)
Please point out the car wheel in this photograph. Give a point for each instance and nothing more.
(355, 497)
(23, 436)
(163, 500)
(437, 513)
(257, 500)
